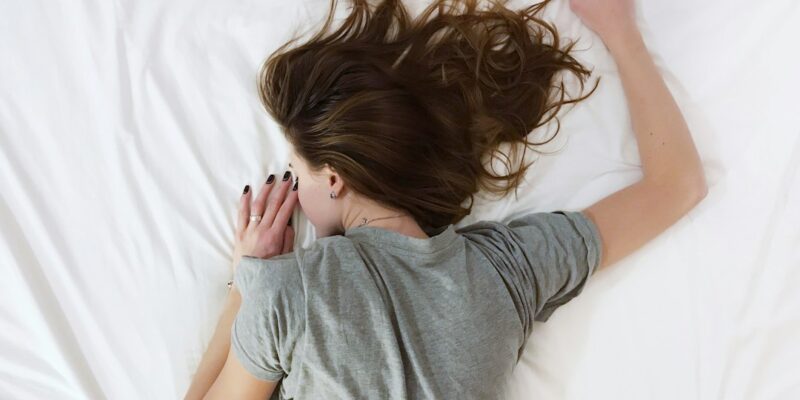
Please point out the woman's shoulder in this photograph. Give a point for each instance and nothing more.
(288, 269)
(324, 249)
(264, 276)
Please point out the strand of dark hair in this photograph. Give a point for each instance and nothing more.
(406, 110)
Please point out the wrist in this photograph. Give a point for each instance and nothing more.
(234, 297)
(235, 262)
(625, 42)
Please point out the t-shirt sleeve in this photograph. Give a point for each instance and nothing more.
(544, 258)
(266, 328)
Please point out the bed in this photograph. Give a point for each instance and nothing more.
(128, 129)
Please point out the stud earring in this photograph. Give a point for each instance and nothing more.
(333, 196)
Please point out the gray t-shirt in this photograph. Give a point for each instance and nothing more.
(374, 314)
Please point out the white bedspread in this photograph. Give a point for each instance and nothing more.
(128, 129)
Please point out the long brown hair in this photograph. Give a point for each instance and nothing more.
(405, 109)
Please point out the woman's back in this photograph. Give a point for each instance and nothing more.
(376, 314)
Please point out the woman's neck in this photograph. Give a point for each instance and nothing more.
(398, 221)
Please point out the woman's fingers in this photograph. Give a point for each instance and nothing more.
(276, 201)
(260, 202)
(244, 211)
(288, 240)
(284, 213)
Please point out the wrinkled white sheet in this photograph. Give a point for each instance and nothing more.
(128, 129)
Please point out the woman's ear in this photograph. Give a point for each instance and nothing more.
(335, 182)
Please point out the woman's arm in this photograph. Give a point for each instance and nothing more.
(217, 352)
(665, 144)
(674, 181)
(265, 237)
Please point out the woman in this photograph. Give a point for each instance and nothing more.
(389, 119)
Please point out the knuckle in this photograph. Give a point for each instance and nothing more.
(272, 236)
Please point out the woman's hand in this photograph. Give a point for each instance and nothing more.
(270, 236)
(613, 20)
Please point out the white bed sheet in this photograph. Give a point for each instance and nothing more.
(128, 129)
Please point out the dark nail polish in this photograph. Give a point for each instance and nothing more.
(246, 189)
(270, 178)
(294, 188)
(286, 176)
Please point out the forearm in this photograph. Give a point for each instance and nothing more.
(666, 148)
(214, 358)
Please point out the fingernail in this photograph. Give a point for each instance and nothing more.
(246, 189)
(286, 176)
(294, 188)
(270, 178)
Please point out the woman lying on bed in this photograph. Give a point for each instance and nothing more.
(389, 119)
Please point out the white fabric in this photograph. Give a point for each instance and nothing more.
(128, 129)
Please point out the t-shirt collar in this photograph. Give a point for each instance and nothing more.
(439, 238)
